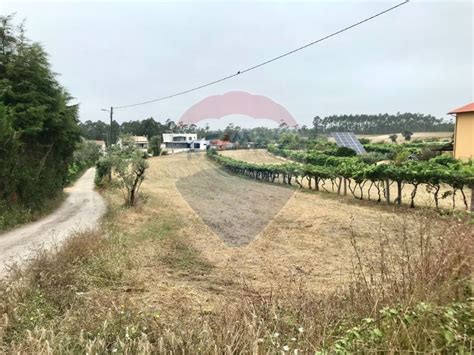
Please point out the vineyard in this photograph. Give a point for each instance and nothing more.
(442, 178)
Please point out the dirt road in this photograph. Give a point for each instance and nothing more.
(81, 211)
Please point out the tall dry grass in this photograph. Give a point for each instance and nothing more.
(411, 294)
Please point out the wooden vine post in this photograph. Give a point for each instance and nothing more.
(472, 197)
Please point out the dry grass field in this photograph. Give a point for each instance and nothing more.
(282, 231)
(376, 138)
(209, 262)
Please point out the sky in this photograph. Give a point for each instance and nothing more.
(417, 58)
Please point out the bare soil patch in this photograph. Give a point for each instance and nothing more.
(236, 209)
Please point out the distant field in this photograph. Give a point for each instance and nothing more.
(417, 135)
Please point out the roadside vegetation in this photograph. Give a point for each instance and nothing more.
(40, 147)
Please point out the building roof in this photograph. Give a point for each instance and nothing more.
(463, 109)
(138, 139)
(219, 142)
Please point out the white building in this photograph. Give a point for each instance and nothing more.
(141, 142)
(178, 142)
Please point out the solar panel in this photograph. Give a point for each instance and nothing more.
(349, 140)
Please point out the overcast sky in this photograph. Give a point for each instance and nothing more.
(418, 58)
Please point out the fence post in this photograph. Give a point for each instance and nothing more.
(472, 197)
(387, 190)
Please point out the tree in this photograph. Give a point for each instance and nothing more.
(155, 145)
(131, 173)
(393, 138)
(316, 123)
(129, 166)
(39, 125)
(289, 140)
(407, 135)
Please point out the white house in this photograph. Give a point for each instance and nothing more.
(200, 144)
(178, 142)
(141, 142)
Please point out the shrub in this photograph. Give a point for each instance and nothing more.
(103, 167)
(155, 145)
(344, 152)
(407, 135)
(372, 157)
(426, 153)
(444, 159)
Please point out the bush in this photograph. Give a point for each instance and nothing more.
(102, 169)
(407, 135)
(372, 157)
(427, 154)
(344, 152)
(444, 159)
(86, 155)
(364, 140)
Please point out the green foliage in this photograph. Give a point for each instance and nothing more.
(38, 127)
(289, 140)
(382, 123)
(86, 155)
(364, 140)
(319, 167)
(345, 152)
(128, 165)
(448, 329)
(155, 145)
(444, 159)
(102, 168)
(372, 157)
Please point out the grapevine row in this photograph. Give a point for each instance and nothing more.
(316, 171)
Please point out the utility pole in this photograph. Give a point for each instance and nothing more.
(110, 128)
(109, 135)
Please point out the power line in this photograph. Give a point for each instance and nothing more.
(268, 61)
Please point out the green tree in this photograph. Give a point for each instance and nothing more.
(155, 145)
(39, 126)
(407, 135)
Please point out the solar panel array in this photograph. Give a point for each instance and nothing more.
(349, 140)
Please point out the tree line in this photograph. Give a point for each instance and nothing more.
(262, 136)
(38, 124)
(381, 123)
